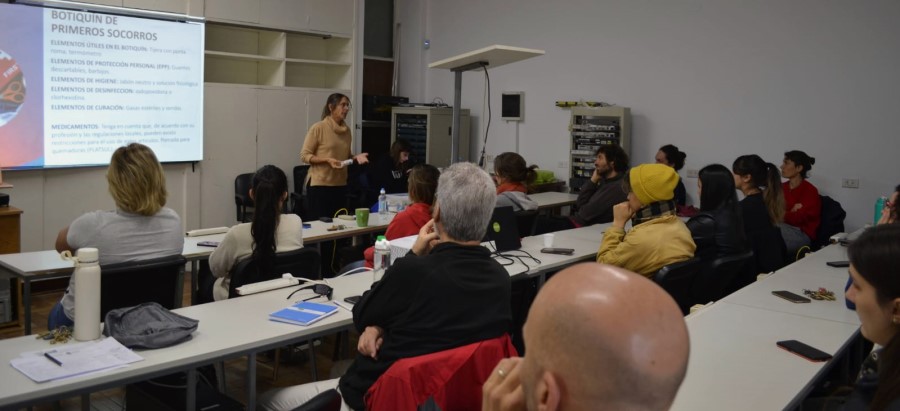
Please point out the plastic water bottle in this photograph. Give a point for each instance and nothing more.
(879, 206)
(382, 257)
(382, 202)
(87, 294)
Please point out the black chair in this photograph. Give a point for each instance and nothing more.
(525, 220)
(831, 221)
(303, 262)
(242, 200)
(677, 279)
(715, 277)
(159, 280)
(299, 200)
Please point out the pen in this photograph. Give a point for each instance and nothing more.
(50, 357)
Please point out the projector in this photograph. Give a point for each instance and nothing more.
(4, 200)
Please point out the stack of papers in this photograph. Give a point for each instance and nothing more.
(303, 313)
(69, 360)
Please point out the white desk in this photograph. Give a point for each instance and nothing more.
(45, 265)
(218, 337)
(552, 199)
(735, 364)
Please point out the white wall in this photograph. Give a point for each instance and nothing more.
(717, 78)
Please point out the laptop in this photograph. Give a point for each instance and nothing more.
(503, 230)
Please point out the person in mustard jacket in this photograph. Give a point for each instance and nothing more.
(658, 236)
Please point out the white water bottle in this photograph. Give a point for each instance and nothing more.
(87, 294)
(382, 202)
(382, 257)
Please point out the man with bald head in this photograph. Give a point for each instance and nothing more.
(598, 337)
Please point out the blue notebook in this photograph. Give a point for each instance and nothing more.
(303, 313)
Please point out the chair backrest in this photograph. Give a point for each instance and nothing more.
(831, 221)
(300, 173)
(303, 262)
(128, 284)
(453, 378)
(677, 279)
(526, 220)
(716, 275)
(299, 200)
(242, 200)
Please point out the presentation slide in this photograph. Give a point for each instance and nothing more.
(76, 85)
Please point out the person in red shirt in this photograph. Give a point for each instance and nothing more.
(423, 180)
(803, 207)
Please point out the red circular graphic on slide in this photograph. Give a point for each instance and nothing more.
(12, 88)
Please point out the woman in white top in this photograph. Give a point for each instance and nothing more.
(270, 231)
(140, 227)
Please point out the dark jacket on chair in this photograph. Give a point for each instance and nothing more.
(717, 233)
(454, 296)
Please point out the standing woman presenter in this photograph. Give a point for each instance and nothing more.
(325, 149)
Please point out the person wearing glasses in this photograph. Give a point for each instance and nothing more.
(658, 237)
(326, 148)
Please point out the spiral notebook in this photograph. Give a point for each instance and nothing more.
(303, 313)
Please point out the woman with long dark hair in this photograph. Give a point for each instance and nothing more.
(761, 210)
(392, 172)
(718, 229)
(326, 147)
(803, 206)
(270, 231)
(874, 268)
(673, 157)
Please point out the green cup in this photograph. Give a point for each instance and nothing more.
(362, 217)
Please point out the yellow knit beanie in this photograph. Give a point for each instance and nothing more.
(653, 182)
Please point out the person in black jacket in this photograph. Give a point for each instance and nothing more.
(718, 229)
(392, 172)
(446, 293)
(673, 157)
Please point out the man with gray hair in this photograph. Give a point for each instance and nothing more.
(446, 293)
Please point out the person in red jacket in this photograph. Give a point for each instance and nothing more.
(422, 185)
(803, 207)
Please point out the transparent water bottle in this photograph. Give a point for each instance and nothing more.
(382, 257)
(86, 278)
(382, 202)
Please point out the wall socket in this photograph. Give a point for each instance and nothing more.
(562, 165)
(850, 183)
(693, 173)
(489, 162)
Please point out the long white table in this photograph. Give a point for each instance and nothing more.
(45, 265)
(227, 329)
(734, 362)
(553, 199)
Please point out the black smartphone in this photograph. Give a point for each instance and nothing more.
(838, 263)
(554, 250)
(325, 219)
(208, 243)
(353, 299)
(804, 350)
(794, 298)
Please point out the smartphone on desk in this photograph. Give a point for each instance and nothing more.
(794, 298)
(353, 299)
(838, 264)
(556, 250)
(208, 243)
(804, 350)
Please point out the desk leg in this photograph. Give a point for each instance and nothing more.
(251, 381)
(195, 268)
(86, 402)
(26, 304)
(191, 397)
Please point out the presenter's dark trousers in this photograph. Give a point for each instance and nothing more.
(324, 201)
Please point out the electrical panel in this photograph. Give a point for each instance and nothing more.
(592, 127)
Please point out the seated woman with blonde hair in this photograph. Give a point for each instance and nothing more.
(140, 227)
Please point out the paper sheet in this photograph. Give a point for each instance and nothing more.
(76, 359)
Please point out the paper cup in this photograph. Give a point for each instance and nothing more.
(548, 240)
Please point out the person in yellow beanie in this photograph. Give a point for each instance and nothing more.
(657, 237)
